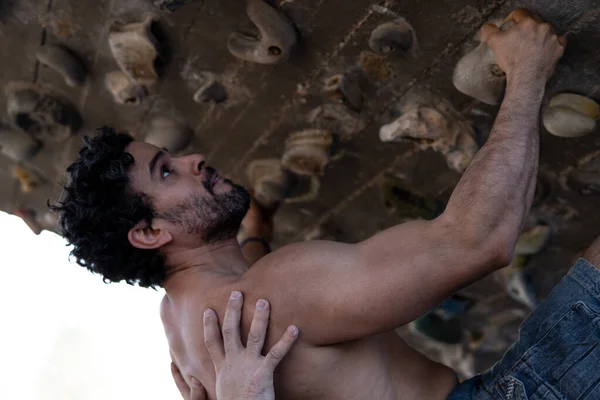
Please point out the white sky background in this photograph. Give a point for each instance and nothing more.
(64, 334)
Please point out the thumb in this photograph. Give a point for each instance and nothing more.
(489, 30)
(197, 390)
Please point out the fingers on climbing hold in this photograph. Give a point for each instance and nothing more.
(477, 74)
(124, 90)
(269, 181)
(277, 36)
(571, 115)
(41, 111)
(307, 152)
(210, 91)
(18, 145)
(397, 38)
(345, 89)
(136, 50)
(171, 5)
(63, 61)
(169, 133)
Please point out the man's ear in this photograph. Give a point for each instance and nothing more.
(144, 236)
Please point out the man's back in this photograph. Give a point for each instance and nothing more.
(380, 366)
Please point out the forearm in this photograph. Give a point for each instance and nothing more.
(495, 194)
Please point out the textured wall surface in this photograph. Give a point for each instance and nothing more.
(266, 103)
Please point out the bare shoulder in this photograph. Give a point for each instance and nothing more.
(303, 255)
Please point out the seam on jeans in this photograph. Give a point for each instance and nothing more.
(584, 278)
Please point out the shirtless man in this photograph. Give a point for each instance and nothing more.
(134, 212)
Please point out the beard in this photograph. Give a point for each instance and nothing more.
(211, 218)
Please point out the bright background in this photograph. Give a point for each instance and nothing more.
(64, 334)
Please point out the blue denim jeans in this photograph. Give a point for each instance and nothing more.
(557, 356)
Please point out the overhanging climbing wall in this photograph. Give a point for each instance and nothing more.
(305, 103)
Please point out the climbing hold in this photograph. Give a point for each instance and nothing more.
(41, 111)
(374, 65)
(519, 283)
(435, 328)
(571, 115)
(585, 177)
(171, 5)
(168, 133)
(478, 75)
(307, 152)
(269, 181)
(397, 37)
(18, 145)
(64, 62)
(135, 48)
(533, 240)
(337, 118)
(344, 89)
(406, 203)
(435, 125)
(28, 179)
(211, 90)
(30, 217)
(277, 36)
(124, 90)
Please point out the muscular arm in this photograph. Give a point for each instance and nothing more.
(347, 292)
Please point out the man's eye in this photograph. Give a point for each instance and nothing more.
(165, 171)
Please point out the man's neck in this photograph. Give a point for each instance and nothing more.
(219, 261)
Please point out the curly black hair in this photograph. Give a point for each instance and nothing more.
(99, 208)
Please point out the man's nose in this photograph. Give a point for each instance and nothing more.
(193, 163)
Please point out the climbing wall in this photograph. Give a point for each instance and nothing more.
(346, 109)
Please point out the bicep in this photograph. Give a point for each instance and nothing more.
(338, 292)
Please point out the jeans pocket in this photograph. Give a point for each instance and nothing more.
(567, 356)
(510, 388)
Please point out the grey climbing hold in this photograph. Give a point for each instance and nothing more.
(17, 144)
(211, 90)
(571, 115)
(171, 5)
(337, 118)
(169, 133)
(344, 89)
(307, 152)
(478, 75)
(124, 90)
(434, 124)
(41, 111)
(64, 62)
(269, 181)
(397, 37)
(277, 36)
(585, 176)
(136, 50)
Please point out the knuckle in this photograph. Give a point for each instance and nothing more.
(276, 354)
(227, 332)
(254, 339)
(209, 342)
